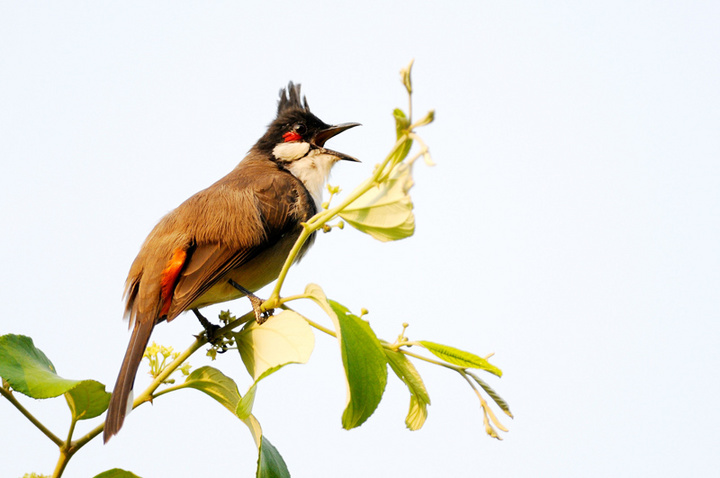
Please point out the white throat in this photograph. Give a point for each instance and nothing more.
(291, 151)
(313, 170)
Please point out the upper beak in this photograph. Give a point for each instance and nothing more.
(322, 136)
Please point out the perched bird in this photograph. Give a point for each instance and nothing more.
(230, 239)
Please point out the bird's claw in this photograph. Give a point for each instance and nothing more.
(256, 302)
(211, 332)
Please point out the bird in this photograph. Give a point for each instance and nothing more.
(230, 239)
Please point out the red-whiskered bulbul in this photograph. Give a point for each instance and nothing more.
(231, 238)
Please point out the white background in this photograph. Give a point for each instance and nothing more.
(571, 225)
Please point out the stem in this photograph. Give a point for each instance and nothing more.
(320, 327)
(472, 385)
(11, 398)
(330, 332)
(232, 325)
(318, 220)
(67, 450)
(62, 462)
(456, 368)
(291, 298)
(147, 394)
(73, 422)
(424, 150)
(311, 323)
(410, 106)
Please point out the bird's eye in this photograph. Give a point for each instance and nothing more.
(300, 129)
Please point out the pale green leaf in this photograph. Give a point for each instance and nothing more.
(285, 338)
(460, 357)
(406, 76)
(270, 463)
(429, 118)
(417, 414)
(245, 405)
(255, 429)
(385, 211)
(419, 398)
(316, 293)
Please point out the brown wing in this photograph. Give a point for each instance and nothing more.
(207, 264)
(215, 231)
(241, 219)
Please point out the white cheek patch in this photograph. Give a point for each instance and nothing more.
(291, 151)
(313, 170)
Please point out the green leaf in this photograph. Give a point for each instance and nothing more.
(116, 473)
(419, 398)
(87, 400)
(493, 394)
(28, 370)
(459, 357)
(385, 212)
(363, 359)
(365, 366)
(223, 389)
(402, 128)
(285, 338)
(215, 384)
(402, 123)
(270, 463)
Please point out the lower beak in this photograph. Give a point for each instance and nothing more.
(322, 136)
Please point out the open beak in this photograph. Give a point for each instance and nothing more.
(322, 136)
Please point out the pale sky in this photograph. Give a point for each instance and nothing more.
(571, 225)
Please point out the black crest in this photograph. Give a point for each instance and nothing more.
(290, 99)
(292, 109)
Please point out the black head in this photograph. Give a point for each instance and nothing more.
(295, 124)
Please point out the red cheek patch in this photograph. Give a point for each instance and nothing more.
(291, 136)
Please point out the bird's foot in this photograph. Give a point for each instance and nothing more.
(256, 302)
(211, 332)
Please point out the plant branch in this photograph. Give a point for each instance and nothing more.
(318, 220)
(73, 422)
(62, 462)
(147, 394)
(456, 368)
(11, 398)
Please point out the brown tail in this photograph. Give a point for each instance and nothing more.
(126, 378)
